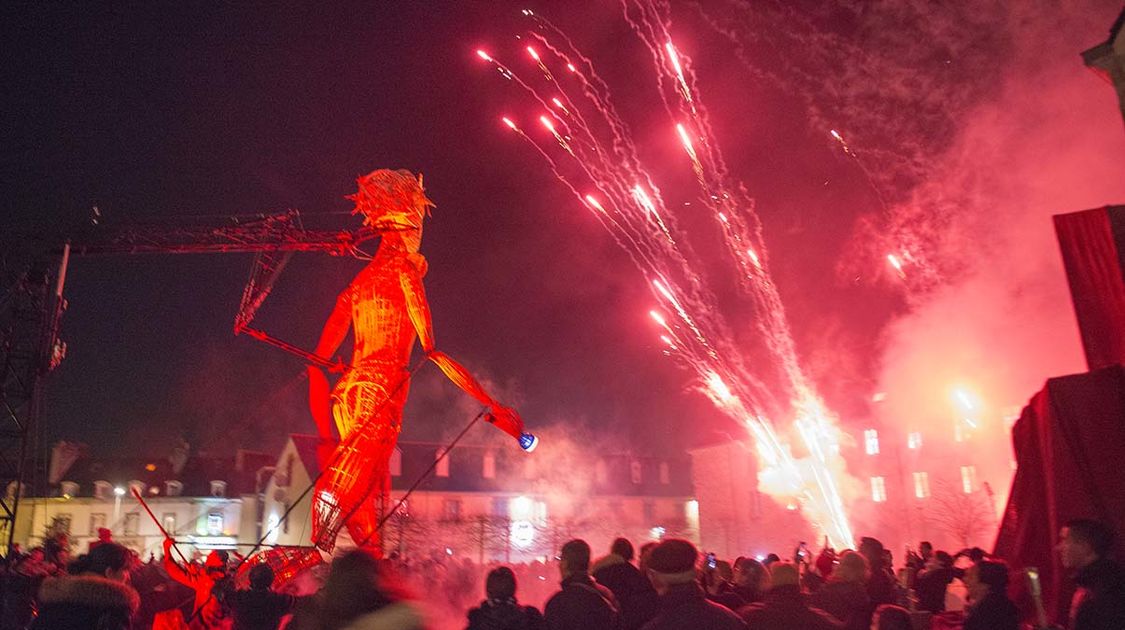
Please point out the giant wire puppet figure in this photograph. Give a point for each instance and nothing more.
(385, 305)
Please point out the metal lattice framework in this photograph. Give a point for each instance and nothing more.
(279, 232)
(26, 354)
(32, 304)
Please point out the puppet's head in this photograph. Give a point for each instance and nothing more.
(392, 201)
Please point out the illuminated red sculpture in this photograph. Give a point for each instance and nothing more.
(386, 307)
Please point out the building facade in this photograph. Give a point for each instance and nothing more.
(491, 503)
(204, 503)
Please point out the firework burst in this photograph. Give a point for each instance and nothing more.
(605, 173)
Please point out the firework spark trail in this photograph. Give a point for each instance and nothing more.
(600, 171)
(603, 217)
(741, 227)
(614, 173)
(700, 340)
(759, 427)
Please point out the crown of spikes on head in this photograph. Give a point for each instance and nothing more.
(392, 199)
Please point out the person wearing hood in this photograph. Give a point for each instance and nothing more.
(96, 597)
(501, 611)
(634, 593)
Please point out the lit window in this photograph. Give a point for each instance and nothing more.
(914, 440)
(635, 471)
(173, 488)
(665, 475)
(442, 465)
(871, 441)
(489, 467)
(168, 520)
(214, 524)
(97, 521)
(396, 462)
(218, 489)
(691, 512)
(968, 479)
(102, 489)
(878, 489)
(921, 485)
(132, 521)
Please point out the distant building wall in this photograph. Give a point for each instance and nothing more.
(199, 524)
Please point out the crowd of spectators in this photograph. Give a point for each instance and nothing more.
(662, 586)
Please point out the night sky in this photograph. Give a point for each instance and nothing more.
(152, 110)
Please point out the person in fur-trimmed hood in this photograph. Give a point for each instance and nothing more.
(635, 596)
(96, 597)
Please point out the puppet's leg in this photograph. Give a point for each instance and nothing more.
(370, 424)
(376, 440)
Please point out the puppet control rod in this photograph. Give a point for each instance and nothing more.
(331, 366)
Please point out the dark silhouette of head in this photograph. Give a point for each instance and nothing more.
(355, 585)
(751, 574)
(500, 584)
(623, 548)
(107, 560)
(1094, 534)
(261, 577)
(872, 549)
(575, 556)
